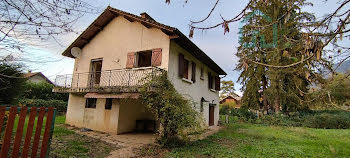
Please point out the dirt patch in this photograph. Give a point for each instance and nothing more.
(126, 144)
(155, 151)
(151, 151)
(76, 145)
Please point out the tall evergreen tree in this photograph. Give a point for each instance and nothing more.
(277, 59)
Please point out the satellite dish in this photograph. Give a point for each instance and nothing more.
(75, 51)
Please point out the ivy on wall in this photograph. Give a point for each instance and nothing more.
(174, 112)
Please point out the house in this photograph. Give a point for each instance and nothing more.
(37, 77)
(118, 50)
(232, 98)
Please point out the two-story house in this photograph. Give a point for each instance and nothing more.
(118, 50)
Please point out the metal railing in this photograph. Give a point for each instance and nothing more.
(108, 78)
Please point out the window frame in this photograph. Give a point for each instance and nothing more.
(90, 103)
(211, 80)
(137, 63)
(186, 65)
(109, 104)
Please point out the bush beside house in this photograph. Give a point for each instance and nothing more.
(41, 95)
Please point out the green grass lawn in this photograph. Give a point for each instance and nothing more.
(250, 140)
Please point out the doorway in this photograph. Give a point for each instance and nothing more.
(211, 115)
(95, 75)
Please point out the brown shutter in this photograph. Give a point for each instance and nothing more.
(209, 80)
(217, 83)
(157, 57)
(193, 72)
(181, 65)
(130, 62)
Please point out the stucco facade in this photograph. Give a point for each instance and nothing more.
(112, 45)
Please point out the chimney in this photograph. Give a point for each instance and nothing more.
(146, 16)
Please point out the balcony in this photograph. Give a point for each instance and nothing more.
(107, 81)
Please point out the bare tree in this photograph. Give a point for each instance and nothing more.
(28, 23)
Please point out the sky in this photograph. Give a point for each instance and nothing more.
(221, 48)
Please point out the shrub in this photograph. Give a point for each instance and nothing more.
(11, 83)
(313, 119)
(243, 113)
(60, 105)
(171, 109)
(42, 90)
(328, 121)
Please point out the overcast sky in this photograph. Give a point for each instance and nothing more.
(221, 48)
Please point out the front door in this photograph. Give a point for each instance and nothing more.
(96, 67)
(211, 115)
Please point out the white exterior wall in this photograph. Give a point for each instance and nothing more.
(112, 44)
(194, 91)
(97, 118)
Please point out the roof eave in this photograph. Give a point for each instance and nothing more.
(198, 53)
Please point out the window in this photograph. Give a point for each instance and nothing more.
(96, 67)
(186, 64)
(202, 73)
(108, 105)
(144, 58)
(90, 103)
(210, 80)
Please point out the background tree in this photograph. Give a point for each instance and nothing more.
(283, 74)
(11, 87)
(25, 24)
(272, 35)
(227, 88)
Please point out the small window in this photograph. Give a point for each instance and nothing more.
(210, 81)
(108, 105)
(90, 103)
(144, 59)
(202, 73)
(186, 64)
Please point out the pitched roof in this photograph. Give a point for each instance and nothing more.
(234, 96)
(110, 13)
(32, 74)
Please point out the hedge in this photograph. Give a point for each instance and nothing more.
(60, 105)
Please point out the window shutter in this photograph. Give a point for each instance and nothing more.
(157, 57)
(209, 80)
(130, 62)
(193, 72)
(217, 83)
(181, 65)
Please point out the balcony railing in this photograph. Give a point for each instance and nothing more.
(117, 80)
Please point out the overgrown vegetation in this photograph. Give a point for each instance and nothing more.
(334, 94)
(11, 82)
(41, 95)
(174, 112)
(60, 105)
(42, 90)
(313, 119)
(326, 119)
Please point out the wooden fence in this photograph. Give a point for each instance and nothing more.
(30, 146)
